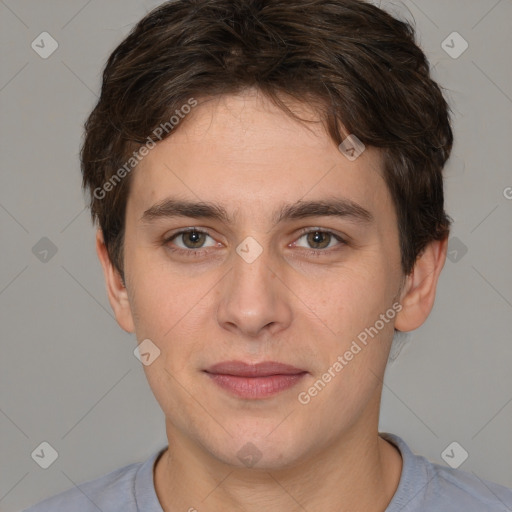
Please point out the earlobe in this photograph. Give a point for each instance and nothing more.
(116, 289)
(419, 291)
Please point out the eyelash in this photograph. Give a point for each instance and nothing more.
(321, 252)
(187, 252)
(200, 251)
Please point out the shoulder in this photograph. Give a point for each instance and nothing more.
(425, 486)
(101, 493)
(468, 491)
(117, 491)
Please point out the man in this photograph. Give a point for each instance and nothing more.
(267, 181)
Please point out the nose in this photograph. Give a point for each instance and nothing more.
(254, 302)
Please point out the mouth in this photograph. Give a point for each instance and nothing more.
(255, 381)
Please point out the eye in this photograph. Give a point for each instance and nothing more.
(191, 239)
(318, 240)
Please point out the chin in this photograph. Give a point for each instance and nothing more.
(256, 449)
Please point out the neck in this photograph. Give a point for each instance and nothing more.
(358, 472)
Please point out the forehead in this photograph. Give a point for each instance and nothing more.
(248, 154)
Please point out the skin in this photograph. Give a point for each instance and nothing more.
(296, 303)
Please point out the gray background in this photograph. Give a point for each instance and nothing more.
(68, 375)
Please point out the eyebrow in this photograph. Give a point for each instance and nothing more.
(177, 208)
(336, 207)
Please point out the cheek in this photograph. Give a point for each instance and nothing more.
(158, 297)
(350, 299)
(175, 312)
(354, 350)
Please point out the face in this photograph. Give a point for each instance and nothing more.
(257, 259)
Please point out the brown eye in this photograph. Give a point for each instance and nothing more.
(193, 239)
(319, 239)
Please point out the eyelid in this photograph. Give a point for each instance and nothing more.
(302, 232)
(306, 231)
(183, 231)
(186, 230)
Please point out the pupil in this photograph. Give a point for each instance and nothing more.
(195, 239)
(319, 239)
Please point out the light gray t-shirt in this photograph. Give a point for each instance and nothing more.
(423, 486)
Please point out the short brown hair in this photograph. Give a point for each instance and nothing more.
(358, 65)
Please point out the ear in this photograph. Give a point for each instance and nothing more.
(116, 290)
(419, 291)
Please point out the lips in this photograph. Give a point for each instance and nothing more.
(265, 369)
(254, 381)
